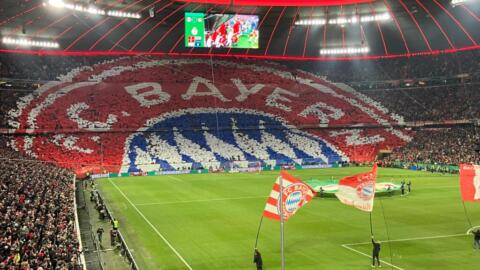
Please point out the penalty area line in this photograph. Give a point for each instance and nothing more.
(366, 255)
(152, 226)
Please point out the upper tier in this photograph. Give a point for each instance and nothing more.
(101, 114)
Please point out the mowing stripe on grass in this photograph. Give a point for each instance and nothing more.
(152, 226)
(196, 201)
(409, 239)
(175, 178)
(366, 255)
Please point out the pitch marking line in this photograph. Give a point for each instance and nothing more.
(209, 200)
(366, 255)
(348, 246)
(152, 226)
(410, 239)
(473, 228)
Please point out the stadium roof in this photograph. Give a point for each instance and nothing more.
(415, 27)
(281, 3)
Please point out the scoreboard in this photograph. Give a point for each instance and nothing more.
(221, 31)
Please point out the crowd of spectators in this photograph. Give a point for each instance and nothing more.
(435, 103)
(442, 65)
(421, 103)
(8, 100)
(37, 220)
(39, 68)
(452, 145)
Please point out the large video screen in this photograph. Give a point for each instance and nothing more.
(221, 30)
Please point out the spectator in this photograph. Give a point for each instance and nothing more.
(452, 145)
(100, 234)
(36, 214)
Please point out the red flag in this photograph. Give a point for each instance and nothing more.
(470, 182)
(295, 194)
(358, 190)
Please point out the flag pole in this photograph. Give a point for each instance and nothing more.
(258, 231)
(466, 214)
(281, 225)
(371, 227)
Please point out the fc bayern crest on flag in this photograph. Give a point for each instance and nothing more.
(294, 196)
(116, 115)
(358, 190)
(366, 190)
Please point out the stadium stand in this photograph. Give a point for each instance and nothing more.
(449, 145)
(442, 65)
(285, 130)
(37, 217)
(233, 140)
(431, 103)
(121, 88)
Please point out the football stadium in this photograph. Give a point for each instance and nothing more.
(239, 134)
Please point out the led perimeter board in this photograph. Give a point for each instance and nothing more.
(221, 31)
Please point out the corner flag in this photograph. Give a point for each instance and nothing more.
(358, 190)
(470, 182)
(295, 194)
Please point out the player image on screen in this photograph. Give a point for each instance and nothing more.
(231, 31)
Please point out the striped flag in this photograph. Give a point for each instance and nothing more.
(295, 194)
(358, 190)
(470, 182)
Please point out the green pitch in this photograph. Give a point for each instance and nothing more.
(243, 42)
(210, 221)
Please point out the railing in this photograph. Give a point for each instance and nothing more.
(77, 228)
(125, 250)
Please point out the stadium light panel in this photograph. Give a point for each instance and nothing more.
(115, 13)
(91, 9)
(458, 2)
(345, 50)
(346, 20)
(29, 42)
(87, 9)
(311, 22)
